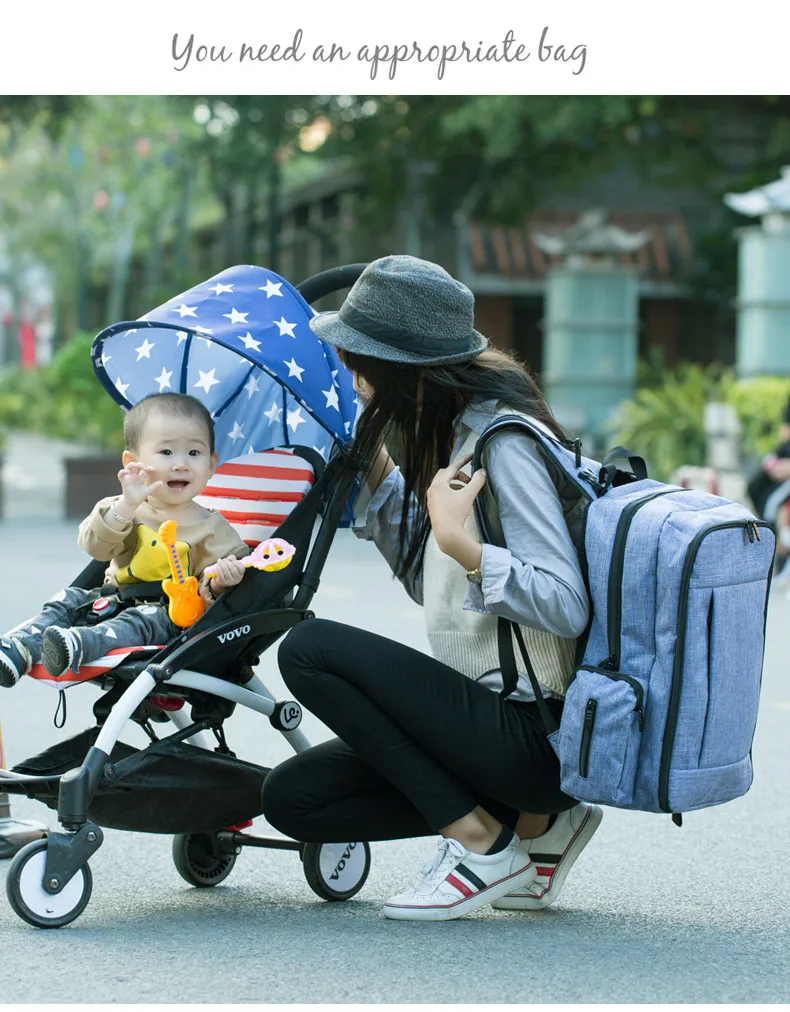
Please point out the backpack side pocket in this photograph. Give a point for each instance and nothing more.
(600, 735)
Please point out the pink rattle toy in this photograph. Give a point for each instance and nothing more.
(270, 555)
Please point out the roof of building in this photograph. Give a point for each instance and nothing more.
(509, 254)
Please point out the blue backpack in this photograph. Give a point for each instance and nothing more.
(661, 709)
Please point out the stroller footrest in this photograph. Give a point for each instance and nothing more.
(94, 669)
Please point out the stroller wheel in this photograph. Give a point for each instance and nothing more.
(199, 860)
(30, 900)
(336, 871)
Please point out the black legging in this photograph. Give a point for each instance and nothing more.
(421, 745)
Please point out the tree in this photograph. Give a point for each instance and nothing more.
(249, 145)
(78, 197)
(497, 154)
(500, 156)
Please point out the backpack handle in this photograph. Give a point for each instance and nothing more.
(609, 473)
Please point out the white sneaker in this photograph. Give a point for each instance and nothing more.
(554, 854)
(456, 882)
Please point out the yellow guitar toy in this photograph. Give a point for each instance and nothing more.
(185, 605)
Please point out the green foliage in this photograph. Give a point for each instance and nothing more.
(82, 197)
(759, 404)
(498, 155)
(651, 370)
(664, 421)
(110, 190)
(63, 400)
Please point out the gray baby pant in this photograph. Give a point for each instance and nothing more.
(141, 625)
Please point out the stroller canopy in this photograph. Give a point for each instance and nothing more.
(241, 343)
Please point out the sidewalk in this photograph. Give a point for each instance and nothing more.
(34, 476)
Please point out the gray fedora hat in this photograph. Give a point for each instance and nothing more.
(405, 310)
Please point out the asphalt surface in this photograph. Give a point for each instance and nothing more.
(650, 914)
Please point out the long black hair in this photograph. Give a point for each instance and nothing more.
(413, 410)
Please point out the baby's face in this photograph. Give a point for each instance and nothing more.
(178, 450)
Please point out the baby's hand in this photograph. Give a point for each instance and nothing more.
(227, 572)
(134, 479)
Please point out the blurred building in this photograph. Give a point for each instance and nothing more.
(322, 224)
(502, 265)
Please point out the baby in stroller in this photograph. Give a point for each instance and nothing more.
(168, 460)
(283, 409)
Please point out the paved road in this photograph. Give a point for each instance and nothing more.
(651, 914)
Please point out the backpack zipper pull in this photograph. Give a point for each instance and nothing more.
(756, 530)
(750, 531)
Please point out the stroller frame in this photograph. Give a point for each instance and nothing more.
(49, 882)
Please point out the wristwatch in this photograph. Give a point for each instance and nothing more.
(475, 576)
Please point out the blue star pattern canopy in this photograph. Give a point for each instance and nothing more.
(241, 343)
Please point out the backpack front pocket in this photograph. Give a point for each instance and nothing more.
(599, 736)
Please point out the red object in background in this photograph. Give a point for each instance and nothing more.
(27, 345)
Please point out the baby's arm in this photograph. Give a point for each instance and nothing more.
(104, 532)
(226, 573)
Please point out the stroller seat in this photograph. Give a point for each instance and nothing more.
(265, 377)
(255, 493)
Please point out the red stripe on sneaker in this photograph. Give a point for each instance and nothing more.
(456, 883)
(547, 870)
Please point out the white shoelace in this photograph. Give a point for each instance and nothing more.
(448, 854)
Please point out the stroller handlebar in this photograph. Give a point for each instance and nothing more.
(329, 281)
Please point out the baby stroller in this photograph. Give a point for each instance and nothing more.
(284, 407)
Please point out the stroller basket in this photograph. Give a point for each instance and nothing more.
(169, 787)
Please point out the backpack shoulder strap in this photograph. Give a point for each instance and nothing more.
(487, 517)
(572, 477)
(515, 422)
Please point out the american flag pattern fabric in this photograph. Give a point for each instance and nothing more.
(241, 343)
(255, 493)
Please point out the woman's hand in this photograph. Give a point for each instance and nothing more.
(780, 469)
(451, 497)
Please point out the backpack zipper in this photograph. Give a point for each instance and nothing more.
(587, 730)
(615, 588)
(618, 676)
(751, 530)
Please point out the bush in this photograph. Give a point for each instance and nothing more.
(664, 421)
(759, 404)
(63, 399)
